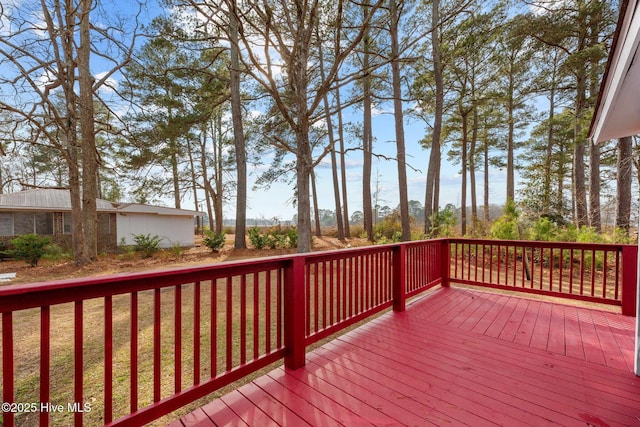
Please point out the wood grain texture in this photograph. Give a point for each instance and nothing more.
(454, 357)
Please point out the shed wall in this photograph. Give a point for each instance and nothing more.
(172, 229)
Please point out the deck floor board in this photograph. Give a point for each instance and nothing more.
(456, 356)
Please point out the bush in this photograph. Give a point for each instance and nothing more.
(29, 247)
(147, 244)
(506, 227)
(389, 229)
(443, 222)
(214, 241)
(273, 238)
(292, 237)
(543, 229)
(257, 240)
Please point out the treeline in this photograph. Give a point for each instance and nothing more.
(185, 103)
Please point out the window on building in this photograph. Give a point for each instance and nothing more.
(66, 222)
(23, 223)
(44, 223)
(6, 224)
(104, 224)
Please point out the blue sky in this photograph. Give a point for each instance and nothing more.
(276, 201)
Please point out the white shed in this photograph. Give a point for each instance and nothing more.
(173, 226)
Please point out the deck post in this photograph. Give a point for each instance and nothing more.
(445, 262)
(294, 316)
(399, 277)
(629, 279)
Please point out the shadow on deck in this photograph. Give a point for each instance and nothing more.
(456, 356)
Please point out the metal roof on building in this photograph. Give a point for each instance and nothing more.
(60, 201)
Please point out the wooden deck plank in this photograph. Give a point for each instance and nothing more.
(540, 338)
(452, 388)
(355, 410)
(197, 418)
(455, 357)
(318, 397)
(503, 382)
(556, 343)
(221, 414)
(509, 376)
(471, 322)
(304, 409)
(498, 324)
(527, 326)
(378, 395)
(270, 406)
(573, 343)
(610, 348)
(249, 413)
(510, 329)
(589, 339)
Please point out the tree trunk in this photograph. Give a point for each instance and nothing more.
(316, 209)
(433, 171)
(623, 189)
(463, 197)
(579, 152)
(367, 139)
(546, 203)
(219, 174)
(87, 129)
(343, 168)
(238, 133)
(194, 186)
(399, 122)
(487, 220)
(80, 255)
(511, 191)
(367, 134)
(472, 170)
(594, 187)
(334, 160)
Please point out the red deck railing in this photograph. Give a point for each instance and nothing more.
(168, 338)
(588, 272)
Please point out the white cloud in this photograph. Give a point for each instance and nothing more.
(541, 7)
(109, 86)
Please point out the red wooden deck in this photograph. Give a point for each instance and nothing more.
(454, 357)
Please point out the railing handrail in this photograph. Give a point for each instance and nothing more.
(542, 243)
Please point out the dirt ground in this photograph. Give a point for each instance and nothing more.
(131, 262)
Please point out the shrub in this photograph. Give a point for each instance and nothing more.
(29, 247)
(214, 241)
(147, 244)
(543, 229)
(506, 227)
(389, 228)
(273, 238)
(257, 240)
(292, 237)
(443, 222)
(176, 250)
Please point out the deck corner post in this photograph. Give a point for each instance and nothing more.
(399, 277)
(629, 279)
(294, 315)
(445, 262)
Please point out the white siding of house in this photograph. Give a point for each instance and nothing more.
(172, 229)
